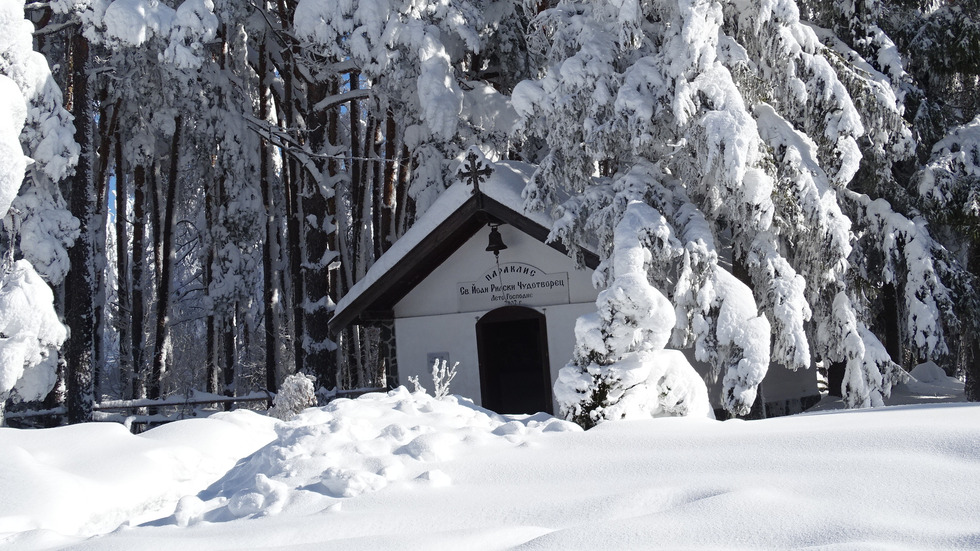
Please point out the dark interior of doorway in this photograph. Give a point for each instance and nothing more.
(514, 369)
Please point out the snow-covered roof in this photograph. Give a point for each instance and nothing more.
(453, 218)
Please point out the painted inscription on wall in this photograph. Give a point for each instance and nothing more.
(513, 283)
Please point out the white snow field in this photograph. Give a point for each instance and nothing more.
(407, 471)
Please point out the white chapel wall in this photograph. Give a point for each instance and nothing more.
(452, 335)
(438, 293)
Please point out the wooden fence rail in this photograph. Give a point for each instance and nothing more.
(111, 410)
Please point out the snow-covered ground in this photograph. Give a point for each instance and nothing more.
(407, 471)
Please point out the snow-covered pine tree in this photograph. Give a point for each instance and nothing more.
(30, 331)
(742, 106)
(895, 253)
(950, 184)
(939, 40)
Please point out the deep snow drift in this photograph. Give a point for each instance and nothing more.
(403, 470)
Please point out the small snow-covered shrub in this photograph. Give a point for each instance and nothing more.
(295, 395)
(414, 379)
(442, 377)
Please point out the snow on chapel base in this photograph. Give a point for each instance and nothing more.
(509, 321)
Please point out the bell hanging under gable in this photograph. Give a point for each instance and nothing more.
(496, 241)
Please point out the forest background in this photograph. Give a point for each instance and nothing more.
(189, 187)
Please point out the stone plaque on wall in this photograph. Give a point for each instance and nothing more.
(513, 283)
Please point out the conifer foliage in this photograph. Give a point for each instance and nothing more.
(747, 111)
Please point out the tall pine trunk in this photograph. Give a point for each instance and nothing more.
(79, 283)
(228, 334)
(294, 186)
(268, 262)
(211, 345)
(889, 321)
(318, 245)
(167, 258)
(125, 314)
(106, 131)
(139, 263)
(386, 234)
(972, 389)
(404, 209)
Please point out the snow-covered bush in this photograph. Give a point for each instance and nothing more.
(295, 394)
(619, 369)
(442, 377)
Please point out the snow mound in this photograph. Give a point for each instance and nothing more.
(89, 479)
(928, 384)
(354, 447)
(928, 372)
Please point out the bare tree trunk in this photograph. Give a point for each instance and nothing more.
(157, 207)
(79, 283)
(294, 185)
(365, 199)
(321, 282)
(377, 164)
(125, 315)
(106, 131)
(386, 234)
(139, 260)
(295, 249)
(210, 360)
(889, 319)
(404, 210)
(973, 352)
(229, 332)
(268, 263)
(166, 271)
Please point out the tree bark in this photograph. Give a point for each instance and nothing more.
(228, 352)
(972, 388)
(404, 208)
(295, 181)
(835, 378)
(166, 271)
(106, 131)
(321, 282)
(268, 263)
(124, 317)
(79, 283)
(210, 360)
(889, 319)
(386, 235)
(139, 260)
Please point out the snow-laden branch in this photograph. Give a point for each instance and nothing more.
(336, 100)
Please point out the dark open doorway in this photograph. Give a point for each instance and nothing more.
(515, 376)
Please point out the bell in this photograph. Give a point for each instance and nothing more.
(496, 242)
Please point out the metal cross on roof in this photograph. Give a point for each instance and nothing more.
(474, 170)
